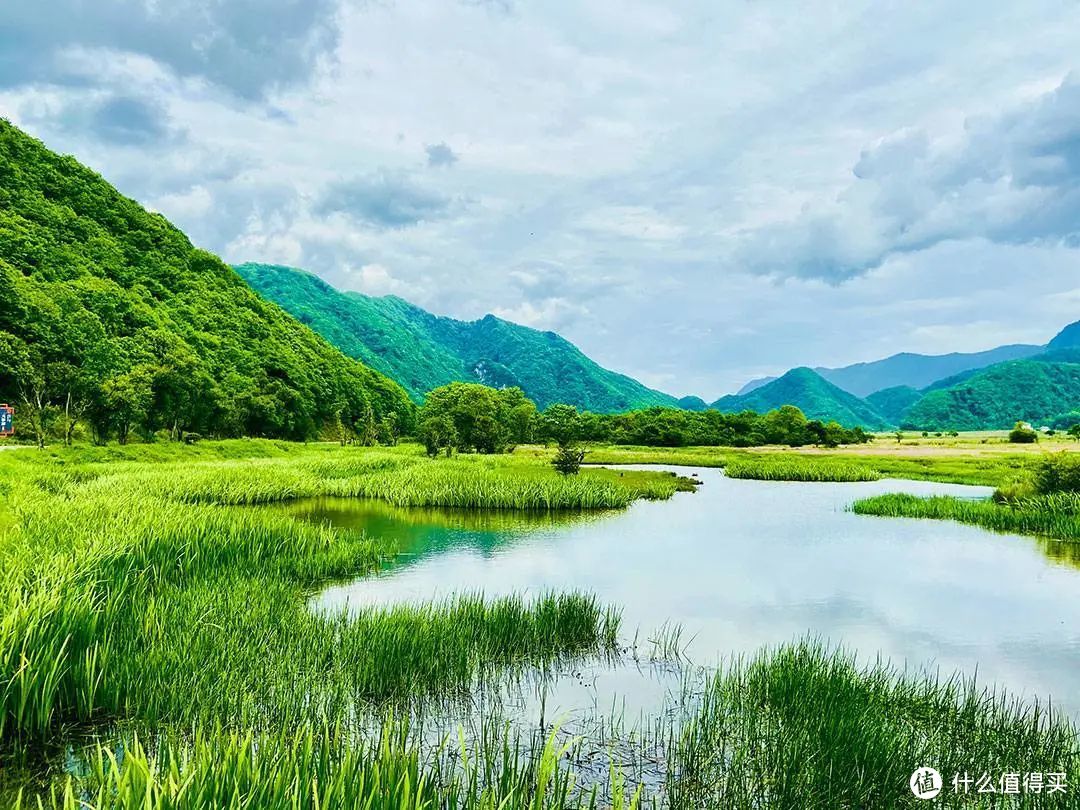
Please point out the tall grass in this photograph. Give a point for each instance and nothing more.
(793, 468)
(320, 768)
(807, 727)
(134, 591)
(1055, 516)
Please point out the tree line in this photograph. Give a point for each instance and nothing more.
(469, 417)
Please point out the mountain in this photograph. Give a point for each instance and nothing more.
(110, 310)
(756, 383)
(692, 404)
(423, 351)
(813, 394)
(893, 402)
(911, 370)
(1037, 390)
(1067, 338)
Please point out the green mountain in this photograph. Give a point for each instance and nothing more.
(911, 370)
(893, 402)
(109, 312)
(423, 351)
(692, 403)
(1067, 338)
(1038, 390)
(813, 394)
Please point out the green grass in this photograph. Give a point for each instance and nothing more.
(322, 768)
(123, 579)
(1053, 516)
(803, 726)
(139, 586)
(769, 468)
(967, 466)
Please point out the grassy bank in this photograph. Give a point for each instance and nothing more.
(1054, 516)
(971, 463)
(805, 727)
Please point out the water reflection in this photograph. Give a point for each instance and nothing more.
(744, 564)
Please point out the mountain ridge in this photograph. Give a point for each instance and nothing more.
(112, 310)
(814, 395)
(423, 350)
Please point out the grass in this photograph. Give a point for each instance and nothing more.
(317, 769)
(804, 726)
(138, 586)
(124, 578)
(769, 468)
(958, 463)
(1053, 516)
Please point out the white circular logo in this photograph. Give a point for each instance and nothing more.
(925, 783)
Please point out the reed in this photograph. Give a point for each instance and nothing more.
(321, 767)
(805, 726)
(765, 468)
(1054, 516)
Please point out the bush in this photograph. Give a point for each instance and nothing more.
(1023, 434)
(1058, 473)
(568, 459)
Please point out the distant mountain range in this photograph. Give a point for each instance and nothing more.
(960, 391)
(911, 370)
(976, 391)
(423, 351)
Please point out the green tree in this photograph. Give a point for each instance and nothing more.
(568, 459)
(561, 424)
(128, 398)
(438, 435)
(1023, 433)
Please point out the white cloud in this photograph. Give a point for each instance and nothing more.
(374, 279)
(693, 195)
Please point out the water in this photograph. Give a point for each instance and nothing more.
(743, 564)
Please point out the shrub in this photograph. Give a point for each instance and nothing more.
(568, 459)
(1023, 434)
(1058, 473)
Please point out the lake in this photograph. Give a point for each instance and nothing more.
(742, 564)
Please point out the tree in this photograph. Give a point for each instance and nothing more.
(438, 434)
(899, 436)
(1074, 431)
(568, 459)
(484, 419)
(1023, 433)
(388, 430)
(560, 423)
(128, 397)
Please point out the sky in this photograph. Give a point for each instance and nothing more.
(695, 194)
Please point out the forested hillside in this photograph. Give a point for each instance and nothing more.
(423, 351)
(1040, 391)
(812, 394)
(109, 316)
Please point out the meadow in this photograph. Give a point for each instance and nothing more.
(150, 603)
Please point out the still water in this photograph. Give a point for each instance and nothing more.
(743, 564)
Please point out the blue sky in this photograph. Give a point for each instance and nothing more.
(694, 193)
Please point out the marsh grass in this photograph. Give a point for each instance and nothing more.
(142, 590)
(804, 726)
(1053, 516)
(323, 768)
(766, 468)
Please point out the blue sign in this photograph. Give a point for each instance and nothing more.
(7, 416)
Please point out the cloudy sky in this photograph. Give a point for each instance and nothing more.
(694, 193)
